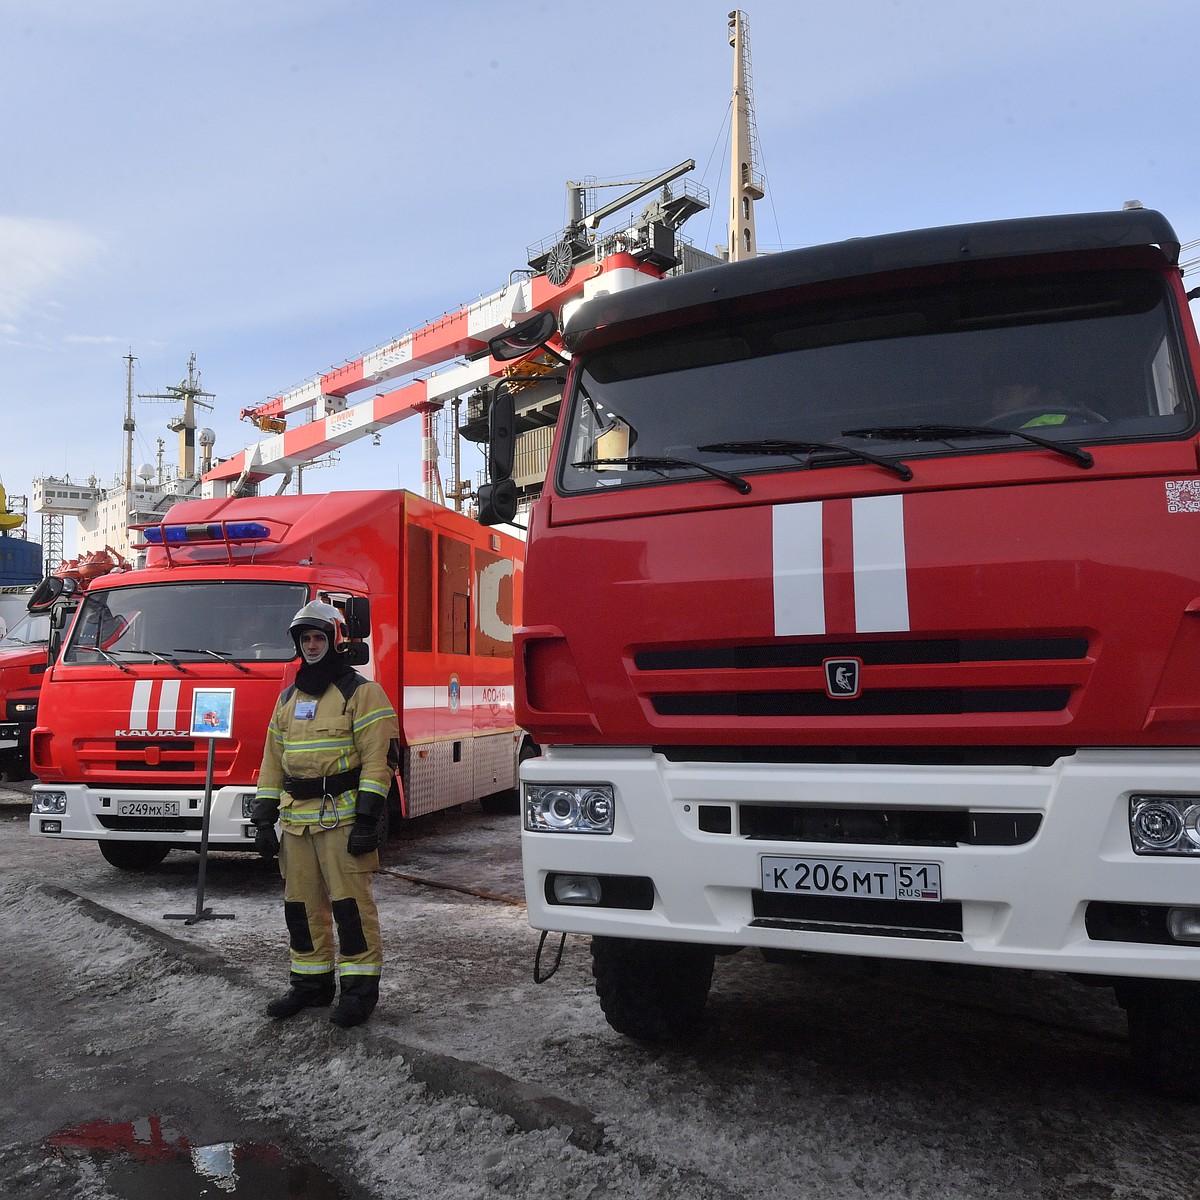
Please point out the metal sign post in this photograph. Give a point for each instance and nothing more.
(212, 718)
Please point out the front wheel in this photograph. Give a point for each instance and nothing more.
(134, 856)
(652, 991)
(1162, 1021)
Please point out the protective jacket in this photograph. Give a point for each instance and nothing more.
(335, 752)
(340, 732)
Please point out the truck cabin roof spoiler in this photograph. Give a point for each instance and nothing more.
(977, 242)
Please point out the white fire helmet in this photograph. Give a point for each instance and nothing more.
(316, 614)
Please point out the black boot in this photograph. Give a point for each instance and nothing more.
(360, 994)
(304, 991)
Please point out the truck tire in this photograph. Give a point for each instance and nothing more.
(134, 856)
(652, 991)
(501, 804)
(1162, 1018)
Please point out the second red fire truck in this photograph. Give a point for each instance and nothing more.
(113, 751)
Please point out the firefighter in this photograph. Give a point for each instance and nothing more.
(326, 770)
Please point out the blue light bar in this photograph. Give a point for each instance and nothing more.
(231, 531)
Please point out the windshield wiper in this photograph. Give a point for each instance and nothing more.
(794, 449)
(159, 657)
(941, 433)
(104, 654)
(657, 463)
(222, 655)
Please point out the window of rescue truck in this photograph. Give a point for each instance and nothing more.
(186, 622)
(1081, 357)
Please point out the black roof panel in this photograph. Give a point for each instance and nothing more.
(917, 248)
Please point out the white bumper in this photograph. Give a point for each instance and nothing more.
(122, 815)
(1022, 906)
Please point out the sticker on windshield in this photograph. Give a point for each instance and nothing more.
(1183, 495)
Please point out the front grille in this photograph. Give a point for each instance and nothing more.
(901, 677)
(916, 756)
(935, 920)
(897, 653)
(151, 824)
(886, 827)
(102, 759)
(877, 703)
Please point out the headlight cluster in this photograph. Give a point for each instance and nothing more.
(53, 803)
(1165, 824)
(565, 808)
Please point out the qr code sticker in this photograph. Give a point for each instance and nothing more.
(1183, 495)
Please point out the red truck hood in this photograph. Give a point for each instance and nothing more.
(1053, 611)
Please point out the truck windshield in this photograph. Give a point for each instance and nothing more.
(184, 622)
(31, 630)
(964, 367)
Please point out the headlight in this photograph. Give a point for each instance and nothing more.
(50, 802)
(247, 801)
(1165, 824)
(24, 708)
(563, 808)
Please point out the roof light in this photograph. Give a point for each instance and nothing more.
(218, 531)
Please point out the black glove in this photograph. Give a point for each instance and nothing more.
(266, 841)
(364, 837)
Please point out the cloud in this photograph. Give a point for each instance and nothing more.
(36, 255)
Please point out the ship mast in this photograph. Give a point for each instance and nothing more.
(745, 183)
(130, 424)
(188, 390)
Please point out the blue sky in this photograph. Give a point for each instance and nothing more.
(281, 185)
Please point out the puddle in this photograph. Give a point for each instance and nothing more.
(147, 1160)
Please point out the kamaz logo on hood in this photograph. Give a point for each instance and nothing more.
(151, 733)
(843, 678)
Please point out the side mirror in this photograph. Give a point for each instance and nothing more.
(497, 502)
(357, 654)
(533, 332)
(502, 431)
(48, 591)
(358, 617)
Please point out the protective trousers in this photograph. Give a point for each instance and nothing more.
(323, 886)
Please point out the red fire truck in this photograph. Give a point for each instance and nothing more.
(114, 750)
(862, 617)
(29, 645)
(23, 656)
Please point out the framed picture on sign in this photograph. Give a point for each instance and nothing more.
(212, 712)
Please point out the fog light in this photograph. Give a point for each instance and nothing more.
(50, 802)
(1183, 924)
(577, 889)
(565, 808)
(249, 831)
(51, 826)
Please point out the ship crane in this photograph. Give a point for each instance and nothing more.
(448, 357)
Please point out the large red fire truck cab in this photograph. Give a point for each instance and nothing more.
(115, 752)
(862, 616)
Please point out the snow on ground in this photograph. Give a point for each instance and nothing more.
(828, 1081)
